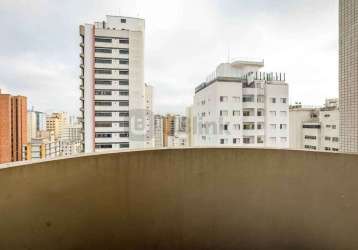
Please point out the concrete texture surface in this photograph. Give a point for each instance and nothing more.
(182, 199)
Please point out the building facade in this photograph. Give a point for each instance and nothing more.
(113, 92)
(348, 75)
(36, 121)
(315, 129)
(13, 127)
(158, 131)
(238, 105)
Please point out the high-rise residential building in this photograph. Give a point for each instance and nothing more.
(158, 131)
(348, 75)
(238, 105)
(13, 127)
(112, 83)
(315, 128)
(40, 148)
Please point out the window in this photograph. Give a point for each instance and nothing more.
(103, 124)
(327, 138)
(103, 114)
(236, 126)
(224, 99)
(335, 149)
(124, 134)
(273, 100)
(123, 20)
(236, 140)
(248, 98)
(124, 51)
(103, 103)
(328, 126)
(124, 72)
(273, 113)
(310, 147)
(103, 146)
(327, 149)
(283, 113)
(260, 112)
(249, 126)
(103, 50)
(246, 113)
(103, 92)
(123, 82)
(327, 115)
(103, 71)
(124, 124)
(247, 140)
(260, 126)
(310, 137)
(103, 135)
(103, 82)
(335, 139)
(260, 140)
(123, 103)
(123, 40)
(334, 126)
(311, 126)
(103, 40)
(226, 127)
(260, 99)
(236, 113)
(123, 61)
(284, 100)
(224, 113)
(104, 61)
(124, 145)
(123, 113)
(283, 126)
(223, 141)
(123, 92)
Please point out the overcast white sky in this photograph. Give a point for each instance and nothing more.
(185, 41)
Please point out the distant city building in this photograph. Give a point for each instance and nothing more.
(13, 127)
(56, 122)
(348, 75)
(190, 125)
(238, 105)
(158, 131)
(42, 148)
(36, 121)
(174, 131)
(315, 128)
(113, 93)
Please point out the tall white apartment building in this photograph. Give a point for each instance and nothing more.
(112, 84)
(238, 105)
(158, 131)
(315, 129)
(149, 122)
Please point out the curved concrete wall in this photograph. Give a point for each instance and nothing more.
(183, 199)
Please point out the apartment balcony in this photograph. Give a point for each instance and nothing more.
(214, 198)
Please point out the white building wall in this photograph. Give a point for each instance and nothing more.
(113, 98)
(238, 115)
